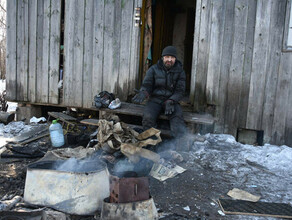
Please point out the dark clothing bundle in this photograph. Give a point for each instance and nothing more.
(164, 85)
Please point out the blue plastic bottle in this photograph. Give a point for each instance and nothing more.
(56, 134)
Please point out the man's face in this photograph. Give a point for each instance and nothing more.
(168, 61)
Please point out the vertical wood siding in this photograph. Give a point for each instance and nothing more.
(101, 50)
(33, 29)
(240, 66)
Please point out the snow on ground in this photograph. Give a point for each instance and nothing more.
(264, 170)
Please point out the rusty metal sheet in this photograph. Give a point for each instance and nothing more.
(132, 189)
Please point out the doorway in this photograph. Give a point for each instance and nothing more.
(167, 22)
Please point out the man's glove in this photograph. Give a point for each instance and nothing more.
(140, 97)
(169, 107)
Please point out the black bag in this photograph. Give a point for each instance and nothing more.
(103, 99)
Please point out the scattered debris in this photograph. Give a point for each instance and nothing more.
(241, 207)
(9, 204)
(242, 195)
(162, 173)
(37, 120)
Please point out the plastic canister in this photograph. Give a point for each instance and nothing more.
(56, 134)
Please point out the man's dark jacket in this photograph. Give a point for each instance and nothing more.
(162, 84)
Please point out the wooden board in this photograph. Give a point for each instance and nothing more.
(125, 49)
(195, 50)
(88, 53)
(74, 40)
(282, 104)
(241, 207)
(135, 55)
(90, 121)
(22, 51)
(32, 50)
(215, 50)
(137, 110)
(227, 44)
(274, 51)
(11, 48)
(288, 122)
(110, 56)
(247, 63)
(55, 30)
(203, 54)
(259, 66)
(98, 48)
(62, 116)
(43, 77)
(236, 67)
(39, 52)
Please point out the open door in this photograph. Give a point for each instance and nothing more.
(167, 22)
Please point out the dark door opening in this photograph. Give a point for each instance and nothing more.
(167, 22)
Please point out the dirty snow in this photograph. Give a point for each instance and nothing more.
(11, 105)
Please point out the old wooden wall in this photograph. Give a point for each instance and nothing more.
(101, 45)
(101, 49)
(33, 29)
(240, 68)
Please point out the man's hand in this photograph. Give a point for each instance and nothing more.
(140, 97)
(169, 107)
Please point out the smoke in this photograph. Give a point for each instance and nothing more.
(89, 164)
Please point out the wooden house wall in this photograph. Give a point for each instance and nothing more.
(101, 49)
(101, 45)
(240, 68)
(33, 42)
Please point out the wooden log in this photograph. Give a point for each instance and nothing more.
(6, 117)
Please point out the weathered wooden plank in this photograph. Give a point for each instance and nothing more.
(247, 63)
(195, 50)
(225, 64)
(68, 52)
(20, 32)
(282, 104)
(78, 54)
(137, 110)
(32, 50)
(203, 54)
(98, 35)
(125, 49)
(236, 66)
(215, 51)
(74, 39)
(11, 46)
(288, 122)
(274, 51)
(55, 31)
(39, 52)
(88, 53)
(259, 65)
(43, 93)
(22, 51)
(135, 55)
(109, 78)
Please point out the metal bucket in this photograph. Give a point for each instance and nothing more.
(142, 210)
(78, 190)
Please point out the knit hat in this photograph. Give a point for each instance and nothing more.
(170, 51)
